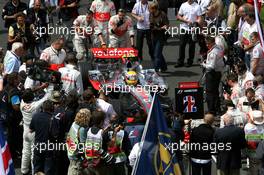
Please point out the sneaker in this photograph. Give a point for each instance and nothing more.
(178, 65)
(188, 65)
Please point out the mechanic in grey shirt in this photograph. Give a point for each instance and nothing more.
(213, 65)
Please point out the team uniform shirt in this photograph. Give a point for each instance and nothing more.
(127, 26)
(53, 56)
(215, 60)
(190, 12)
(258, 53)
(235, 95)
(12, 62)
(143, 11)
(103, 10)
(245, 82)
(71, 79)
(88, 29)
(246, 31)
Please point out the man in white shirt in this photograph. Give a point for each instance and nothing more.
(141, 13)
(12, 61)
(189, 13)
(106, 107)
(259, 87)
(248, 27)
(232, 81)
(214, 66)
(71, 78)
(55, 54)
(257, 56)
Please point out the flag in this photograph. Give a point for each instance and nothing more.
(6, 163)
(155, 156)
(260, 30)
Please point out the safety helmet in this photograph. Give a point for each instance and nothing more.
(131, 78)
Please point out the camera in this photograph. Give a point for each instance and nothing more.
(120, 23)
(226, 88)
(40, 72)
(108, 158)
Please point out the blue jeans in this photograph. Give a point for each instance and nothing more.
(159, 60)
(247, 60)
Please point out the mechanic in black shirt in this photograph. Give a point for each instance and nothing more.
(43, 160)
(10, 10)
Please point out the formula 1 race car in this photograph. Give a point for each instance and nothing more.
(118, 73)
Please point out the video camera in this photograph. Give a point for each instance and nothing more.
(40, 72)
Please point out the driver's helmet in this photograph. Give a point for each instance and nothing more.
(131, 78)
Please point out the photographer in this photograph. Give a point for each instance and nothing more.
(97, 140)
(214, 66)
(118, 145)
(70, 76)
(259, 87)
(19, 32)
(38, 20)
(120, 28)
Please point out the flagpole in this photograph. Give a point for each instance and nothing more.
(143, 136)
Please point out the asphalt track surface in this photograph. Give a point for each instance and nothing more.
(171, 51)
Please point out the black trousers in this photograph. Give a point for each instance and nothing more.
(44, 162)
(198, 168)
(184, 40)
(212, 81)
(141, 34)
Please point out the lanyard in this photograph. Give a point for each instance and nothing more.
(141, 9)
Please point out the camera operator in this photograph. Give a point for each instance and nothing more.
(257, 55)
(189, 13)
(55, 54)
(11, 10)
(31, 83)
(19, 32)
(38, 20)
(70, 76)
(29, 106)
(120, 28)
(234, 94)
(214, 66)
(245, 78)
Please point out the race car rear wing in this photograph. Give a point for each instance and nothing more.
(114, 53)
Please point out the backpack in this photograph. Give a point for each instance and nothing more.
(55, 127)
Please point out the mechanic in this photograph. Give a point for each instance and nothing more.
(103, 10)
(38, 20)
(119, 27)
(10, 11)
(86, 32)
(232, 82)
(70, 76)
(257, 55)
(55, 54)
(214, 65)
(259, 87)
(141, 13)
